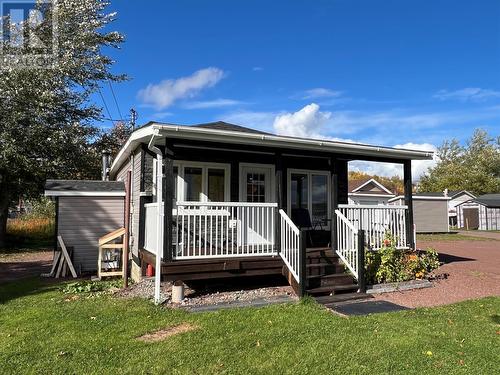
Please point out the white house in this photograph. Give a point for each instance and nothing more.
(368, 192)
(456, 198)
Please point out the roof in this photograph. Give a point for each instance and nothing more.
(432, 196)
(489, 200)
(355, 186)
(455, 193)
(429, 194)
(55, 188)
(221, 125)
(222, 132)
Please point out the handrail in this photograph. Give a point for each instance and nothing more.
(348, 245)
(289, 221)
(385, 206)
(346, 220)
(226, 204)
(291, 247)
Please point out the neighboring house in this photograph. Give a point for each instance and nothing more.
(232, 201)
(481, 213)
(456, 197)
(430, 212)
(368, 192)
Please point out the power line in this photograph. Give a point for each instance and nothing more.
(104, 102)
(116, 101)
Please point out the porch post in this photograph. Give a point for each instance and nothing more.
(168, 197)
(279, 199)
(338, 193)
(408, 193)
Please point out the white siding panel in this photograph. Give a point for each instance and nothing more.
(82, 220)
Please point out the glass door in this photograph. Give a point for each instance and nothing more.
(309, 193)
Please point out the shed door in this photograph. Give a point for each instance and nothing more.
(471, 218)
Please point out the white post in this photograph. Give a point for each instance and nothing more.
(159, 223)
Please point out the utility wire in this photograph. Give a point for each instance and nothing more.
(104, 102)
(114, 97)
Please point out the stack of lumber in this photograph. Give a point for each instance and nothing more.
(62, 264)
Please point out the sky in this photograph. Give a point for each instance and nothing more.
(408, 74)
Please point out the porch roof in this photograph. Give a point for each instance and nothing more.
(233, 134)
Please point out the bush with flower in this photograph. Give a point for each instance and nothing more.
(390, 264)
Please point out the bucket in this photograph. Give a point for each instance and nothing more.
(178, 292)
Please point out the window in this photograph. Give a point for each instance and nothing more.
(299, 187)
(200, 182)
(256, 187)
(319, 198)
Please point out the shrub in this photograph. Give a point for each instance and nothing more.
(394, 265)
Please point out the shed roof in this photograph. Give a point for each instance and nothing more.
(54, 188)
(489, 200)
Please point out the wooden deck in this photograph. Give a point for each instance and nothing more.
(218, 268)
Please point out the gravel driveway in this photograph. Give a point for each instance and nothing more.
(473, 269)
(21, 265)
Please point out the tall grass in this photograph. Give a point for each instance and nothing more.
(31, 228)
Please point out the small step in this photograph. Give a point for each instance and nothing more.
(335, 279)
(337, 298)
(332, 289)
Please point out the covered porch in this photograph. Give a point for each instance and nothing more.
(229, 210)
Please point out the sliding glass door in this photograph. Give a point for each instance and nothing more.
(308, 198)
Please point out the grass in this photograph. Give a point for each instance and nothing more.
(449, 237)
(44, 331)
(29, 234)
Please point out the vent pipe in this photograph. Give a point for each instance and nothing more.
(106, 163)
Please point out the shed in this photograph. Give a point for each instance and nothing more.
(481, 213)
(430, 212)
(85, 211)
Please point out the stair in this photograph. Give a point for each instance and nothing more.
(326, 276)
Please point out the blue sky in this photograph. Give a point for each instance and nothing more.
(407, 73)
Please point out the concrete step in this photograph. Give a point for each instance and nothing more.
(329, 301)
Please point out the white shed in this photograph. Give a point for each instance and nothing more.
(481, 213)
(85, 211)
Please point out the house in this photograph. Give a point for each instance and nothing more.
(430, 212)
(456, 197)
(481, 213)
(368, 192)
(220, 201)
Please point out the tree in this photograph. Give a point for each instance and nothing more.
(394, 183)
(45, 113)
(474, 167)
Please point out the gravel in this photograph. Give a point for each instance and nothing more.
(207, 296)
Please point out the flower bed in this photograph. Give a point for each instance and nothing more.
(389, 264)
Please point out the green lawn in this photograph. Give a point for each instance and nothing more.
(449, 237)
(40, 332)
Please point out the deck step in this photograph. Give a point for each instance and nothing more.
(332, 289)
(337, 298)
(334, 279)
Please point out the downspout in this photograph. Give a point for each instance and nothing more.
(159, 221)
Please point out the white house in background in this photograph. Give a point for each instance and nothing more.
(482, 213)
(456, 198)
(368, 192)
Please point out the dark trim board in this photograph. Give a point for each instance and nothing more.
(205, 269)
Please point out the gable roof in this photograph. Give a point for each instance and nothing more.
(356, 186)
(56, 188)
(455, 193)
(237, 135)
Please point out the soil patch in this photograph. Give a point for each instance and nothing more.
(21, 265)
(163, 334)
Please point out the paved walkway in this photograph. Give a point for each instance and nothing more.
(18, 266)
(472, 270)
(483, 234)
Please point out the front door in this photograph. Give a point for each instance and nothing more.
(256, 186)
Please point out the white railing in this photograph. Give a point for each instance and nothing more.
(223, 229)
(347, 243)
(150, 227)
(377, 221)
(290, 244)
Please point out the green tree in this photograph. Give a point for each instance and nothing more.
(45, 114)
(474, 167)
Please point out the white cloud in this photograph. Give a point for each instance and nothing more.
(216, 103)
(308, 122)
(257, 68)
(321, 92)
(474, 94)
(165, 93)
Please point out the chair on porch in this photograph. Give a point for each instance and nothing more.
(302, 219)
